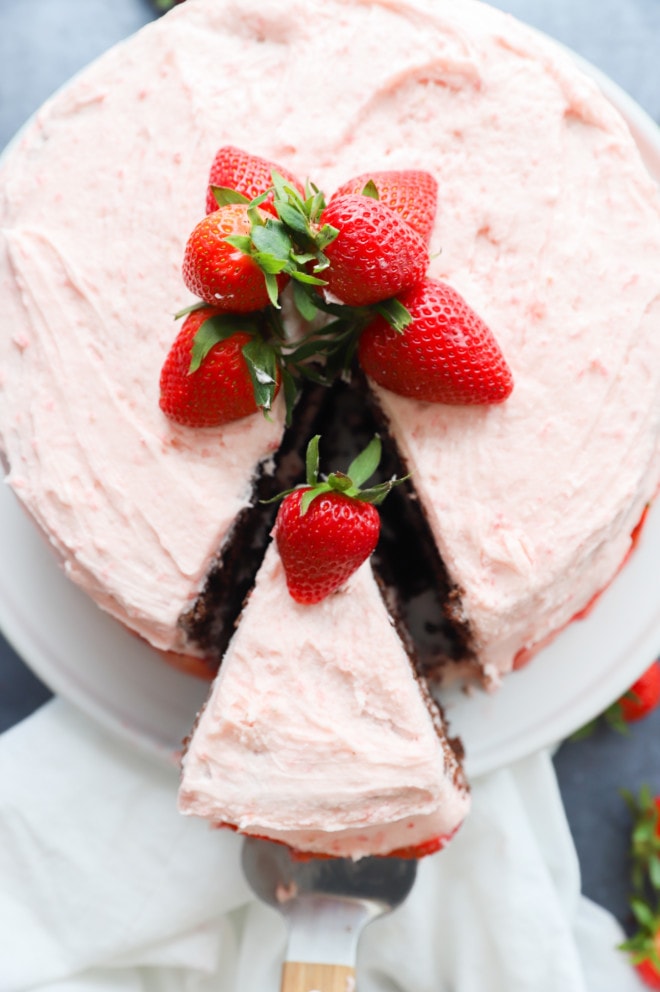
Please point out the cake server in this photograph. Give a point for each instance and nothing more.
(326, 903)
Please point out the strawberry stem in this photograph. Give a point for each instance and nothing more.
(348, 483)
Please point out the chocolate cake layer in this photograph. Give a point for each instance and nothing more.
(417, 588)
(211, 621)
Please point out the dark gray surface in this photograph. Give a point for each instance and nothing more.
(43, 42)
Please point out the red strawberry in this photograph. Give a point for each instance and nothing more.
(220, 390)
(321, 548)
(425, 848)
(412, 193)
(247, 174)
(325, 530)
(643, 696)
(648, 968)
(375, 255)
(446, 354)
(219, 273)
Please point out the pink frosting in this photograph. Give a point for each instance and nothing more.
(547, 223)
(316, 733)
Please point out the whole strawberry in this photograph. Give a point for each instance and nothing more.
(322, 546)
(445, 354)
(412, 193)
(219, 273)
(220, 387)
(642, 697)
(325, 530)
(375, 254)
(249, 175)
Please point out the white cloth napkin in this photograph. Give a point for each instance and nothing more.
(104, 887)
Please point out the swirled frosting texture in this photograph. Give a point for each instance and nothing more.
(547, 224)
(337, 752)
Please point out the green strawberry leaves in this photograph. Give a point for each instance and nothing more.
(215, 329)
(262, 364)
(199, 305)
(639, 700)
(394, 312)
(261, 357)
(612, 717)
(312, 461)
(347, 483)
(304, 303)
(224, 195)
(644, 839)
(644, 945)
(162, 6)
(292, 242)
(273, 244)
(365, 464)
(289, 245)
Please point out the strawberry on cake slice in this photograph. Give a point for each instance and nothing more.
(318, 732)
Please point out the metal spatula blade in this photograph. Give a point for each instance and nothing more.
(326, 904)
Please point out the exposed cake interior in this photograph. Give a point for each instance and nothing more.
(210, 622)
(414, 579)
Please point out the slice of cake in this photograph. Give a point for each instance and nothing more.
(548, 224)
(318, 733)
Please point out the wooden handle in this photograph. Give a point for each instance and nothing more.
(301, 976)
